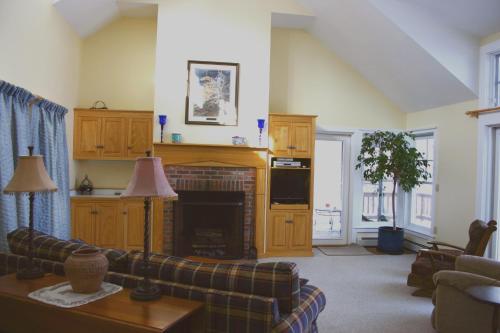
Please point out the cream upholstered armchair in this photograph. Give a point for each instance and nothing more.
(457, 312)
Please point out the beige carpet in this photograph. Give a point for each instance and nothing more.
(366, 294)
(349, 250)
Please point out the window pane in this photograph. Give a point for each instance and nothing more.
(377, 202)
(497, 80)
(421, 198)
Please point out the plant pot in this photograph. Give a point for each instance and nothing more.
(390, 240)
(85, 270)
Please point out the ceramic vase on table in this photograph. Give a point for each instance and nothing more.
(85, 270)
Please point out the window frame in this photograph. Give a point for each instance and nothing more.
(408, 225)
(496, 79)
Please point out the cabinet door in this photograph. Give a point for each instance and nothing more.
(83, 222)
(134, 224)
(300, 231)
(277, 231)
(139, 136)
(87, 137)
(302, 140)
(109, 225)
(112, 138)
(280, 138)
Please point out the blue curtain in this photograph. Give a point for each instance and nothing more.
(47, 133)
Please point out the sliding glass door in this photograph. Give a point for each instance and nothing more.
(331, 187)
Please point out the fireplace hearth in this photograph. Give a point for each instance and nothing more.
(209, 224)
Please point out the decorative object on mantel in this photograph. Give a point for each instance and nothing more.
(85, 269)
(102, 107)
(261, 123)
(239, 141)
(212, 96)
(148, 181)
(86, 187)
(477, 113)
(30, 176)
(176, 137)
(163, 121)
(63, 296)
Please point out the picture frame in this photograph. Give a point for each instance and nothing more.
(212, 93)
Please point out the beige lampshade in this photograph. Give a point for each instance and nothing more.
(30, 176)
(149, 180)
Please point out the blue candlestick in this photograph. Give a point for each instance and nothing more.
(163, 122)
(261, 123)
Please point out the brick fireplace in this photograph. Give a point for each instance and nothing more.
(212, 167)
(216, 189)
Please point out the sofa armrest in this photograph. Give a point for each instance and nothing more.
(478, 265)
(462, 280)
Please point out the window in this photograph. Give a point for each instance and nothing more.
(422, 197)
(377, 201)
(496, 82)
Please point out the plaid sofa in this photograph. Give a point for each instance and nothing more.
(266, 297)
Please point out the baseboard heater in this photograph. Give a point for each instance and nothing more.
(367, 240)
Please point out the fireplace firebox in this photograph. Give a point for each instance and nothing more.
(209, 224)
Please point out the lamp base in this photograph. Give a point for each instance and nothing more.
(30, 273)
(145, 291)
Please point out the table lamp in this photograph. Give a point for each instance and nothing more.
(148, 181)
(30, 176)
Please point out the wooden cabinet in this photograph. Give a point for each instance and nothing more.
(289, 232)
(133, 212)
(112, 134)
(291, 136)
(111, 223)
(289, 226)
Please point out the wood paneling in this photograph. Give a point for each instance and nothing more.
(112, 134)
(134, 224)
(114, 223)
(289, 227)
(109, 225)
(221, 156)
(139, 135)
(82, 221)
(87, 136)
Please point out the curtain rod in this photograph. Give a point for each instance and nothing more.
(36, 98)
(477, 113)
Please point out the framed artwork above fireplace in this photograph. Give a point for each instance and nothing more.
(212, 96)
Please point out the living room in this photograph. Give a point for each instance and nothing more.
(118, 95)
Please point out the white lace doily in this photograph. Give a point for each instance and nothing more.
(62, 295)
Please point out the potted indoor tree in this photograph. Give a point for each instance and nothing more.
(391, 156)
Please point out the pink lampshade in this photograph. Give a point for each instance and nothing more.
(149, 180)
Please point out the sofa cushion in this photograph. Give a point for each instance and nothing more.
(279, 280)
(51, 248)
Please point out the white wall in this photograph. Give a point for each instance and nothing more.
(308, 78)
(457, 151)
(213, 30)
(40, 52)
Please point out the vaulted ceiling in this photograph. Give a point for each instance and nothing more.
(420, 53)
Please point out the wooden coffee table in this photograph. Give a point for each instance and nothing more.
(115, 313)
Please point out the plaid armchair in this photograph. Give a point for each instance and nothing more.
(267, 297)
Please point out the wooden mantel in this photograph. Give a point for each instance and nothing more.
(214, 155)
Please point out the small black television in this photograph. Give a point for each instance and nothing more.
(290, 186)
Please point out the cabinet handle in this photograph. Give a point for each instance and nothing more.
(124, 212)
(99, 146)
(289, 221)
(130, 147)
